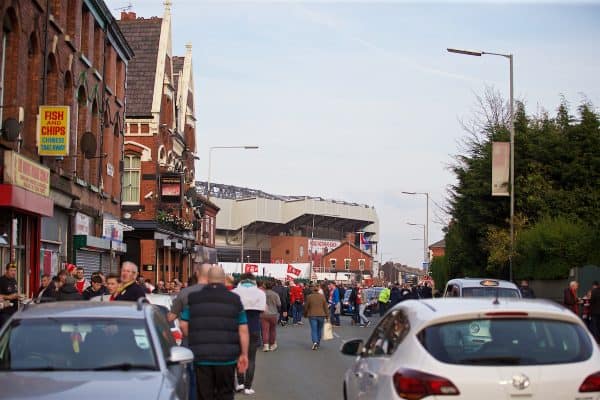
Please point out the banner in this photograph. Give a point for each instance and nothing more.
(23, 172)
(293, 271)
(500, 168)
(53, 131)
(251, 268)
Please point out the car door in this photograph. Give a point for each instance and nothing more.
(176, 373)
(366, 374)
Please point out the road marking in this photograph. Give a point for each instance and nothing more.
(336, 335)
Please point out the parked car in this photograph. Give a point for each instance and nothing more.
(164, 303)
(474, 349)
(69, 350)
(372, 305)
(481, 287)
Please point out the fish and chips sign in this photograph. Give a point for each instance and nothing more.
(53, 131)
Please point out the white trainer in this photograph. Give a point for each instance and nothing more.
(249, 391)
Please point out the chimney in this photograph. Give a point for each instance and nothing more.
(128, 16)
(351, 238)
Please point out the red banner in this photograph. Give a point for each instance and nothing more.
(293, 271)
(251, 268)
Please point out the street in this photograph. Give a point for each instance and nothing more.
(295, 372)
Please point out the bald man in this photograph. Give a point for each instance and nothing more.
(217, 329)
(130, 290)
(201, 275)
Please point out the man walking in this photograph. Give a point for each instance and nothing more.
(284, 297)
(383, 299)
(254, 301)
(216, 325)
(570, 299)
(297, 299)
(334, 304)
(130, 290)
(526, 291)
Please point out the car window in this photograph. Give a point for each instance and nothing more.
(163, 332)
(489, 292)
(387, 335)
(507, 342)
(76, 344)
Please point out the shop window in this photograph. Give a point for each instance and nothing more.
(71, 15)
(332, 264)
(85, 32)
(347, 264)
(131, 179)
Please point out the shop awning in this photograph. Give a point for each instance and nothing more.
(91, 243)
(24, 200)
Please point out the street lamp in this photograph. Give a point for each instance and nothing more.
(210, 149)
(512, 145)
(426, 223)
(425, 250)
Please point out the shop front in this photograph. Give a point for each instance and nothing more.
(24, 200)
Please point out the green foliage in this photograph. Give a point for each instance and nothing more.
(554, 245)
(439, 271)
(557, 177)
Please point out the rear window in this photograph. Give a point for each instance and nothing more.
(489, 292)
(507, 342)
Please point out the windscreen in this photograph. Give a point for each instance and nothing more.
(54, 344)
(489, 292)
(507, 342)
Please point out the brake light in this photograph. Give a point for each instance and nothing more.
(414, 385)
(506, 314)
(591, 383)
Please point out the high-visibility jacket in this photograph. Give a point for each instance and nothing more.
(384, 295)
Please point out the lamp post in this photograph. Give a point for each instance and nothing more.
(426, 244)
(511, 129)
(210, 150)
(425, 250)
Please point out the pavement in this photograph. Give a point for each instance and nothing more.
(295, 372)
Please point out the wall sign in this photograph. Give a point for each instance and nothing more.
(53, 130)
(23, 172)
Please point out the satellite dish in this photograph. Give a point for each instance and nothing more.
(10, 129)
(88, 145)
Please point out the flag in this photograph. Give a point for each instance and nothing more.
(293, 271)
(251, 268)
(364, 242)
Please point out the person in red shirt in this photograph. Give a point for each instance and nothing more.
(297, 300)
(81, 283)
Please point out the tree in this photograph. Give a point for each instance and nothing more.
(439, 271)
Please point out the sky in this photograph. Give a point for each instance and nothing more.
(359, 101)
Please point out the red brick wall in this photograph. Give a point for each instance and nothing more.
(68, 73)
(287, 249)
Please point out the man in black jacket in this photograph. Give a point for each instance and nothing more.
(68, 291)
(284, 296)
(130, 290)
(217, 329)
(96, 288)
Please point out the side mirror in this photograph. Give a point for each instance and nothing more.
(180, 355)
(352, 347)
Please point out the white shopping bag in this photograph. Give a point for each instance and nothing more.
(327, 331)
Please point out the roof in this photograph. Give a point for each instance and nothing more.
(430, 310)
(439, 243)
(143, 35)
(82, 309)
(349, 244)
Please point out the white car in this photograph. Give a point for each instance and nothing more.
(475, 349)
(480, 287)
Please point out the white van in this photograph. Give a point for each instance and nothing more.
(481, 287)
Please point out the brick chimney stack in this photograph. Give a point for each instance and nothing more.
(128, 16)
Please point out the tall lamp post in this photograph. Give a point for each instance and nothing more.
(511, 129)
(210, 150)
(426, 251)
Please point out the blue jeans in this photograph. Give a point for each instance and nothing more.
(192, 378)
(335, 318)
(297, 310)
(316, 328)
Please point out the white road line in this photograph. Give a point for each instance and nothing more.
(336, 335)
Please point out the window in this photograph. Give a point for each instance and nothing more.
(500, 342)
(131, 179)
(387, 335)
(332, 264)
(163, 331)
(361, 264)
(347, 264)
(3, 45)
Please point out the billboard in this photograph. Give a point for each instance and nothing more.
(170, 188)
(319, 247)
(500, 168)
(53, 131)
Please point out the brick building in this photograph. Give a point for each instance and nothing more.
(348, 258)
(57, 201)
(438, 249)
(160, 202)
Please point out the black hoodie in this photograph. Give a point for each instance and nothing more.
(68, 291)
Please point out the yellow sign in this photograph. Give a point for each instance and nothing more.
(53, 131)
(23, 172)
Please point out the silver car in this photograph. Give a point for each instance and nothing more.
(78, 350)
